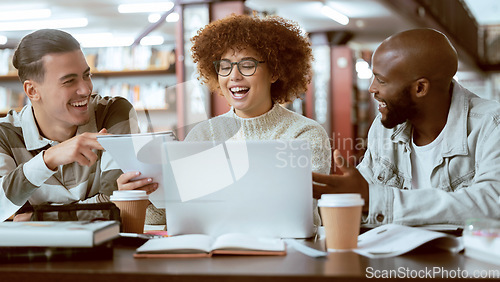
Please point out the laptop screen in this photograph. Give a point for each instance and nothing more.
(256, 187)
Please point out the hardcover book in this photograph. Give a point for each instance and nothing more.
(32, 254)
(76, 234)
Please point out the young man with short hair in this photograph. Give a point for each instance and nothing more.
(49, 151)
(433, 154)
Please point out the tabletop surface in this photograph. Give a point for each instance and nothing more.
(295, 266)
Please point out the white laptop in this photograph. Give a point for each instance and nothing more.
(255, 187)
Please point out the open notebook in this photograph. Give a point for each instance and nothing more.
(200, 245)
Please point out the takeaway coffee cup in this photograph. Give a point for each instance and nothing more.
(132, 205)
(341, 216)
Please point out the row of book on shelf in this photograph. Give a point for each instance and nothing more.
(130, 58)
(11, 99)
(154, 95)
(112, 58)
(142, 96)
(6, 66)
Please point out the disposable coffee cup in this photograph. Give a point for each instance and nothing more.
(132, 205)
(341, 217)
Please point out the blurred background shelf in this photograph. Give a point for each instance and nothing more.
(161, 77)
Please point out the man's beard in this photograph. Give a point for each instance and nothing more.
(399, 110)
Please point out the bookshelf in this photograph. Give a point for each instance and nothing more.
(141, 74)
(13, 76)
(11, 92)
(133, 72)
(152, 90)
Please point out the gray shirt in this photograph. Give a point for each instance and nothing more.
(26, 178)
(465, 177)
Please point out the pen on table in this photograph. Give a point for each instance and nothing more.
(142, 236)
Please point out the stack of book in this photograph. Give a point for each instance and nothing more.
(57, 240)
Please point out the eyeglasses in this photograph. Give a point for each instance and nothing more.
(247, 67)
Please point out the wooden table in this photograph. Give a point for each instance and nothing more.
(293, 267)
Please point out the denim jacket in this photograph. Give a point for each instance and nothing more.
(465, 177)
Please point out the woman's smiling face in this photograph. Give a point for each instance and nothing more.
(249, 95)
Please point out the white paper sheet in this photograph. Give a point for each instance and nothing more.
(393, 240)
(139, 152)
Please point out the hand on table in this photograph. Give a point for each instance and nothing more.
(351, 181)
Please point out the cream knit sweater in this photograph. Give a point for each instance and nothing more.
(278, 123)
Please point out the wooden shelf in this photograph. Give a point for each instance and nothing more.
(142, 109)
(132, 72)
(12, 77)
(4, 112)
(9, 77)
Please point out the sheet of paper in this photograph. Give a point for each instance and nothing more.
(140, 152)
(392, 240)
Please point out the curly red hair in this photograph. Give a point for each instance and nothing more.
(279, 41)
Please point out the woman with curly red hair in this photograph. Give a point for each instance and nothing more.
(256, 64)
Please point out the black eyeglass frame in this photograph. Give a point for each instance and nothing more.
(238, 65)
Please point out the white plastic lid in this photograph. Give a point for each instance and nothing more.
(129, 195)
(340, 200)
